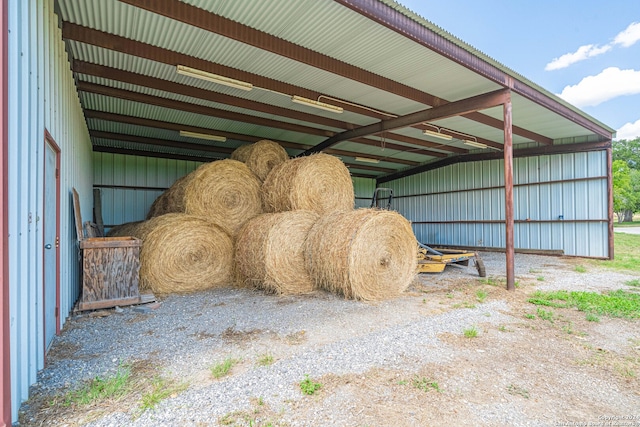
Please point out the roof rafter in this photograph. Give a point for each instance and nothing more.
(217, 24)
(475, 103)
(181, 89)
(136, 121)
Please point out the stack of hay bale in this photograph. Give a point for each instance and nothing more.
(283, 225)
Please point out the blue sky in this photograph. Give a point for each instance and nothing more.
(587, 51)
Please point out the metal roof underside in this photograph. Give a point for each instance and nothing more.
(373, 58)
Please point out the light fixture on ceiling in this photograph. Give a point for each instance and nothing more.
(214, 78)
(367, 160)
(437, 134)
(474, 143)
(203, 136)
(316, 104)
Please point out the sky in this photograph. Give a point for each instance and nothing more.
(585, 51)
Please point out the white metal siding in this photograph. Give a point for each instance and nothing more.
(363, 189)
(560, 203)
(129, 184)
(42, 96)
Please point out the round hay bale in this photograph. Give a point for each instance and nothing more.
(269, 252)
(225, 192)
(365, 254)
(241, 153)
(172, 199)
(183, 253)
(263, 156)
(319, 183)
(122, 230)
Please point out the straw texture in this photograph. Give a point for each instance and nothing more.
(364, 254)
(269, 252)
(319, 183)
(182, 253)
(225, 192)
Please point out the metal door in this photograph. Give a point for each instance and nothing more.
(51, 286)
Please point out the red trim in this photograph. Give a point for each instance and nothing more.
(5, 331)
(48, 139)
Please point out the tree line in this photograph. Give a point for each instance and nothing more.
(626, 178)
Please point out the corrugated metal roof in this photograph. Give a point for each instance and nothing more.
(313, 45)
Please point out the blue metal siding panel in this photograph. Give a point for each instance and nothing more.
(142, 175)
(41, 96)
(560, 203)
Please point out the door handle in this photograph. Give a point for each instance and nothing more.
(47, 246)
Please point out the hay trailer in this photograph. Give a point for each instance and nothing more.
(431, 260)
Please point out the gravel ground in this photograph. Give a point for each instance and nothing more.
(355, 349)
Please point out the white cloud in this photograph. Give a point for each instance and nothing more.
(629, 36)
(629, 131)
(610, 83)
(581, 54)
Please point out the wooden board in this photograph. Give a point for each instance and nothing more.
(77, 215)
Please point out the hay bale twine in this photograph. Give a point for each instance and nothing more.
(183, 253)
(364, 254)
(263, 156)
(241, 153)
(269, 252)
(319, 182)
(225, 192)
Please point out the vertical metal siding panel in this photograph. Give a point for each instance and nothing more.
(41, 94)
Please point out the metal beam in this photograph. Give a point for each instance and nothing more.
(478, 157)
(145, 153)
(508, 195)
(217, 24)
(159, 142)
(410, 28)
(87, 68)
(451, 109)
(138, 121)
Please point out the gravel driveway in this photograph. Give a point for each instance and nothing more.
(402, 362)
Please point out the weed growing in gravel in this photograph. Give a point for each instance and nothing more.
(515, 390)
(615, 304)
(308, 386)
(540, 278)
(98, 388)
(534, 271)
(425, 385)
(545, 315)
(530, 316)
(568, 328)
(265, 360)
(503, 328)
(634, 282)
(160, 390)
(481, 295)
(492, 281)
(223, 368)
(471, 332)
(592, 317)
(580, 269)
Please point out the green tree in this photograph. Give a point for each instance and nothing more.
(623, 194)
(628, 151)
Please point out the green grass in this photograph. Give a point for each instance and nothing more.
(309, 386)
(626, 253)
(98, 389)
(425, 384)
(540, 278)
(634, 282)
(530, 316)
(580, 269)
(545, 315)
(614, 304)
(471, 332)
(223, 368)
(481, 295)
(161, 388)
(592, 317)
(265, 360)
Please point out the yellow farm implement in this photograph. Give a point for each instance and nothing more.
(432, 260)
